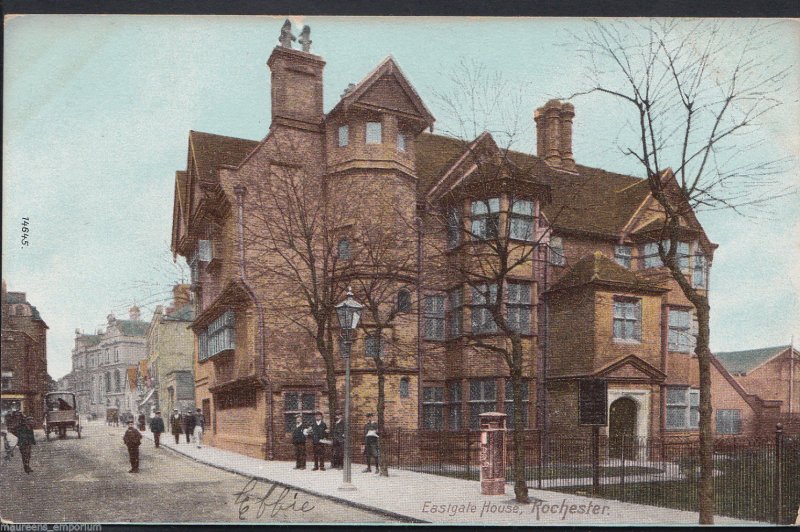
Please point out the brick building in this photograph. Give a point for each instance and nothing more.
(591, 300)
(24, 356)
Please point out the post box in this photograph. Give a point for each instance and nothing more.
(493, 453)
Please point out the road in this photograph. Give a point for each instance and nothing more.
(87, 480)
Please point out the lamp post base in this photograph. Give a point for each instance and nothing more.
(347, 486)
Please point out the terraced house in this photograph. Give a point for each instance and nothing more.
(586, 297)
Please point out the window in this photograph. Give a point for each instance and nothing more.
(482, 398)
(218, 337)
(651, 257)
(401, 142)
(622, 254)
(699, 271)
(116, 352)
(518, 310)
(204, 253)
(8, 377)
(295, 403)
(627, 319)
(403, 300)
(344, 136)
(729, 421)
(680, 334)
(455, 318)
(240, 398)
(373, 346)
(557, 257)
(343, 249)
(683, 255)
(485, 218)
(521, 220)
(433, 326)
(509, 404)
(454, 226)
(682, 408)
(374, 133)
(194, 269)
(117, 384)
(432, 407)
(482, 319)
(404, 392)
(108, 382)
(454, 405)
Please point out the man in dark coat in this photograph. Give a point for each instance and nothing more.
(132, 439)
(157, 427)
(299, 442)
(337, 461)
(319, 430)
(188, 424)
(371, 443)
(176, 423)
(141, 420)
(25, 440)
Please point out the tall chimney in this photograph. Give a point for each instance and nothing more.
(554, 133)
(180, 295)
(134, 313)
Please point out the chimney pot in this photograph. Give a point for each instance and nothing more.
(554, 133)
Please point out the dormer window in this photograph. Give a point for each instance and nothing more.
(401, 142)
(344, 136)
(374, 133)
(485, 218)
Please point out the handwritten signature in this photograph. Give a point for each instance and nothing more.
(280, 502)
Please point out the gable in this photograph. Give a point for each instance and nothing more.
(631, 369)
(387, 93)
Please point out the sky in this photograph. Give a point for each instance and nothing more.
(97, 111)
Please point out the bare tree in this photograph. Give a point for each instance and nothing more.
(697, 92)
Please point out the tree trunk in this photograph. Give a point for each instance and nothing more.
(706, 487)
(330, 375)
(520, 478)
(382, 451)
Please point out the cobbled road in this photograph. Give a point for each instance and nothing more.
(87, 481)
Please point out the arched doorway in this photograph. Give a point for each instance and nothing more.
(622, 429)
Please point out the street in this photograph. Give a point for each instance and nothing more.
(87, 480)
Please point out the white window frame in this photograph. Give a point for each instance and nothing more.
(623, 255)
(401, 142)
(454, 391)
(307, 413)
(688, 403)
(374, 133)
(521, 216)
(343, 136)
(627, 310)
(218, 336)
(518, 307)
(485, 218)
(482, 320)
(679, 338)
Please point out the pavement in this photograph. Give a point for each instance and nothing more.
(420, 497)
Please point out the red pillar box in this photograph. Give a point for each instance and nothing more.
(493, 453)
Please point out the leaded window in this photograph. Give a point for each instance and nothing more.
(557, 257)
(482, 319)
(454, 405)
(433, 317)
(482, 398)
(680, 330)
(219, 336)
(518, 308)
(729, 421)
(433, 407)
(344, 136)
(623, 255)
(627, 319)
(509, 403)
(682, 408)
(456, 312)
(521, 220)
(485, 218)
(297, 403)
(454, 226)
(374, 133)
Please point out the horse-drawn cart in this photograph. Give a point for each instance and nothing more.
(61, 414)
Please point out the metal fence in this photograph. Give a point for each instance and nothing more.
(754, 479)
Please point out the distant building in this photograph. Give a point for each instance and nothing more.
(169, 382)
(100, 362)
(24, 356)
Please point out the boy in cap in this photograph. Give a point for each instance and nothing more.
(299, 442)
(175, 423)
(132, 439)
(157, 427)
(371, 443)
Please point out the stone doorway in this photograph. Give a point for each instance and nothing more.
(622, 429)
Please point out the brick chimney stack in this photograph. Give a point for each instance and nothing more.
(180, 295)
(296, 88)
(554, 133)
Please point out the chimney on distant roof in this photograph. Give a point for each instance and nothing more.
(134, 313)
(180, 295)
(554, 133)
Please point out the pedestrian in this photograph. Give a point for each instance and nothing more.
(175, 423)
(188, 424)
(299, 442)
(371, 443)
(157, 427)
(132, 439)
(141, 422)
(199, 425)
(319, 430)
(337, 461)
(26, 439)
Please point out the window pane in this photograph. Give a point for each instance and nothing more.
(290, 401)
(343, 135)
(308, 401)
(676, 396)
(374, 133)
(522, 207)
(521, 228)
(676, 417)
(401, 142)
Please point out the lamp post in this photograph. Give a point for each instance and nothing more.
(349, 313)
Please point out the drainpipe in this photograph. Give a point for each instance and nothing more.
(419, 314)
(262, 369)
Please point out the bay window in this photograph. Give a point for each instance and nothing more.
(521, 220)
(482, 319)
(433, 407)
(518, 309)
(433, 318)
(622, 255)
(219, 336)
(485, 218)
(482, 398)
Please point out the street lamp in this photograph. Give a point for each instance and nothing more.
(349, 313)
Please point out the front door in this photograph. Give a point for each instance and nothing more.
(622, 429)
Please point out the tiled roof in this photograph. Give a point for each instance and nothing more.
(91, 339)
(132, 327)
(599, 268)
(211, 151)
(742, 362)
(588, 200)
(185, 313)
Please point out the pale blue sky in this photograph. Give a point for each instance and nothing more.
(97, 112)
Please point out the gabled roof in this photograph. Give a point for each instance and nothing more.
(132, 327)
(211, 151)
(743, 362)
(599, 269)
(388, 68)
